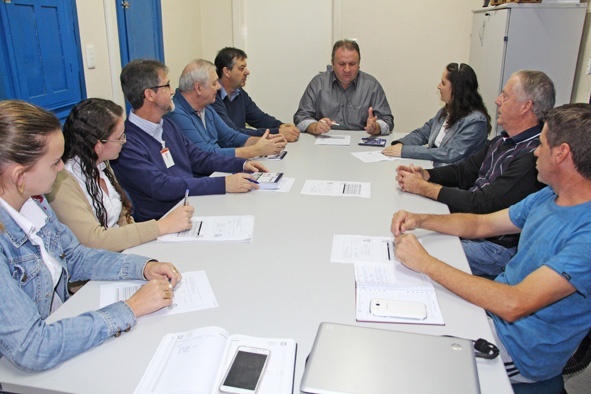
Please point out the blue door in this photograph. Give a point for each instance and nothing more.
(40, 54)
(140, 30)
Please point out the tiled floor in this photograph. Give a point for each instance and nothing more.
(579, 383)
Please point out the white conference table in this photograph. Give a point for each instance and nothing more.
(282, 284)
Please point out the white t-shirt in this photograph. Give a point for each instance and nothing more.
(441, 134)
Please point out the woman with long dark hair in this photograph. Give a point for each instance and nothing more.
(86, 195)
(39, 255)
(457, 131)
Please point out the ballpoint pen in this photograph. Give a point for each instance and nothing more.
(252, 180)
(186, 196)
(332, 122)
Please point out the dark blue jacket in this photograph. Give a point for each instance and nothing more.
(241, 111)
(155, 189)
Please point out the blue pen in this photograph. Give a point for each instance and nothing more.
(186, 196)
(252, 180)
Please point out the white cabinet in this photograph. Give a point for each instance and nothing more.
(515, 37)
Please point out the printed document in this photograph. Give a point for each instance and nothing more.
(336, 188)
(196, 361)
(330, 139)
(216, 229)
(393, 281)
(192, 293)
(352, 248)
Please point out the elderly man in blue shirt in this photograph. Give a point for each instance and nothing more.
(201, 124)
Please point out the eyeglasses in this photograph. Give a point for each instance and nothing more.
(121, 140)
(161, 86)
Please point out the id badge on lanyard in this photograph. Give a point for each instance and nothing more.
(166, 156)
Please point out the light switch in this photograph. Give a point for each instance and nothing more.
(90, 57)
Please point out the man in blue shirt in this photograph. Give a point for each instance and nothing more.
(158, 164)
(201, 124)
(540, 306)
(235, 106)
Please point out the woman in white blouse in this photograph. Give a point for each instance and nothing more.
(86, 195)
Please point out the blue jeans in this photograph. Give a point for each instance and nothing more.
(487, 258)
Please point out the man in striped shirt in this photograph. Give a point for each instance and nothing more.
(499, 175)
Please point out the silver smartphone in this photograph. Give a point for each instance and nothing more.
(246, 370)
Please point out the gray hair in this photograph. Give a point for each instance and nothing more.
(537, 87)
(197, 70)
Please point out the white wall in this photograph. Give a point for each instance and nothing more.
(582, 85)
(283, 58)
(182, 28)
(92, 19)
(405, 44)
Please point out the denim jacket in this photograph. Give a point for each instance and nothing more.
(466, 137)
(26, 340)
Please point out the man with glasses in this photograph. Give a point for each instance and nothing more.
(158, 164)
(343, 97)
(499, 175)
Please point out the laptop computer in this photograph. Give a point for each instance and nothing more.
(360, 360)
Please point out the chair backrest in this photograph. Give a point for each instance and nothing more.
(581, 358)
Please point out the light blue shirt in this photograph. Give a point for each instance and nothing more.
(559, 238)
(211, 134)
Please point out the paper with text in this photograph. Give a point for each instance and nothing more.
(352, 248)
(337, 188)
(393, 281)
(192, 293)
(215, 229)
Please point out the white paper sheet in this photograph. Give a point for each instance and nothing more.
(337, 188)
(192, 293)
(215, 229)
(352, 248)
(372, 156)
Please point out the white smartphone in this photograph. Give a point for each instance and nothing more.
(246, 370)
(401, 309)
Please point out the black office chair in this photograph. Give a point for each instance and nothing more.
(581, 359)
(576, 363)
